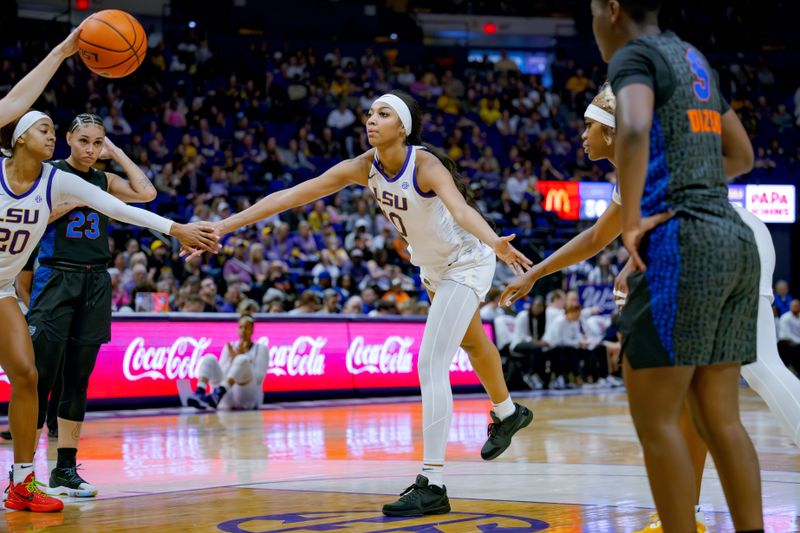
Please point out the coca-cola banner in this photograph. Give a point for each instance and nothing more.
(147, 356)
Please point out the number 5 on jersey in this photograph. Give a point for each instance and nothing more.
(81, 225)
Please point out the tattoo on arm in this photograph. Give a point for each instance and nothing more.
(61, 209)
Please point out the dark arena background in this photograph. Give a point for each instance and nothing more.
(239, 99)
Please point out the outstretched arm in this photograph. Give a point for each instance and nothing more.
(67, 187)
(432, 175)
(348, 172)
(22, 96)
(581, 247)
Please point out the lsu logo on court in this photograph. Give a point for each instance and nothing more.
(375, 522)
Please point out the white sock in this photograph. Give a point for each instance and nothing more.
(434, 473)
(21, 471)
(504, 409)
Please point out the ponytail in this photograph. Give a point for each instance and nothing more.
(415, 138)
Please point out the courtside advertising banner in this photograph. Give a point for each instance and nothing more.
(147, 356)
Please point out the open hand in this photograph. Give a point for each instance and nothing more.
(511, 256)
(70, 45)
(632, 237)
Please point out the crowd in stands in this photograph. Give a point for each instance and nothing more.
(216, 133)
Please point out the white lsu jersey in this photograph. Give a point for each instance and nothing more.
(434, 237)
(23, 219)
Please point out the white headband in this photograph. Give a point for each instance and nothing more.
(400, 107)
(600, 115)
(28, 119)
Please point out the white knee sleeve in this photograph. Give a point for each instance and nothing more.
(241, 371)
(770, 378)
(210, 369)
(448, 319)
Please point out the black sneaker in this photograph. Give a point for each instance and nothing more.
(197, 400)
(67, 482)
(215, 397)
(500, 432)
(5, 435)
(419, 499)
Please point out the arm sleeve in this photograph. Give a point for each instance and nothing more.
(69, 188)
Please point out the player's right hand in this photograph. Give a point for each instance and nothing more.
(519, 287)
(70, 45)
(197, 236)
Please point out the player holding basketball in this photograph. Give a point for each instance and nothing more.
(691, 314)
(421, 193)
(29, 189)
(767, 375)
(70, 310)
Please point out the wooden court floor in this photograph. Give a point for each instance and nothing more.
(331, 466)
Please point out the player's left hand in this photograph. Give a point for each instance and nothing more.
(196, 237)
(511, 256)
(108, 149)
(632, 236)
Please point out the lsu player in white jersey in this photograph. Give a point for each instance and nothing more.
(421, 193)
(29, 188)
(768, 376)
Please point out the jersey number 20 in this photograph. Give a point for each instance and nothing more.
(701, 85)
(13, 243)
(76, 229)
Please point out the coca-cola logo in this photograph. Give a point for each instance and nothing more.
(304, 357)
(178, 361)
(391, 357)
(460, 362)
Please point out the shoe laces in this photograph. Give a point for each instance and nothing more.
(33, 485)
(410, 493)
(491, 431)
(71, 473)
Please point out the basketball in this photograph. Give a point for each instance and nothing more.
(112, 43)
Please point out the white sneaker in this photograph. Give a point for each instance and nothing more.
(603, 383)
(533, 381)
(614, 381)
(559, 384)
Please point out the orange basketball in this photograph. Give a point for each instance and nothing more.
(112, 43)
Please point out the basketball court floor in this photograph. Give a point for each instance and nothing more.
(330, 466)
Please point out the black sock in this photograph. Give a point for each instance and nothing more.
(66, 457)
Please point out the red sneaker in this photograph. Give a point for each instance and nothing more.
(28, 496)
